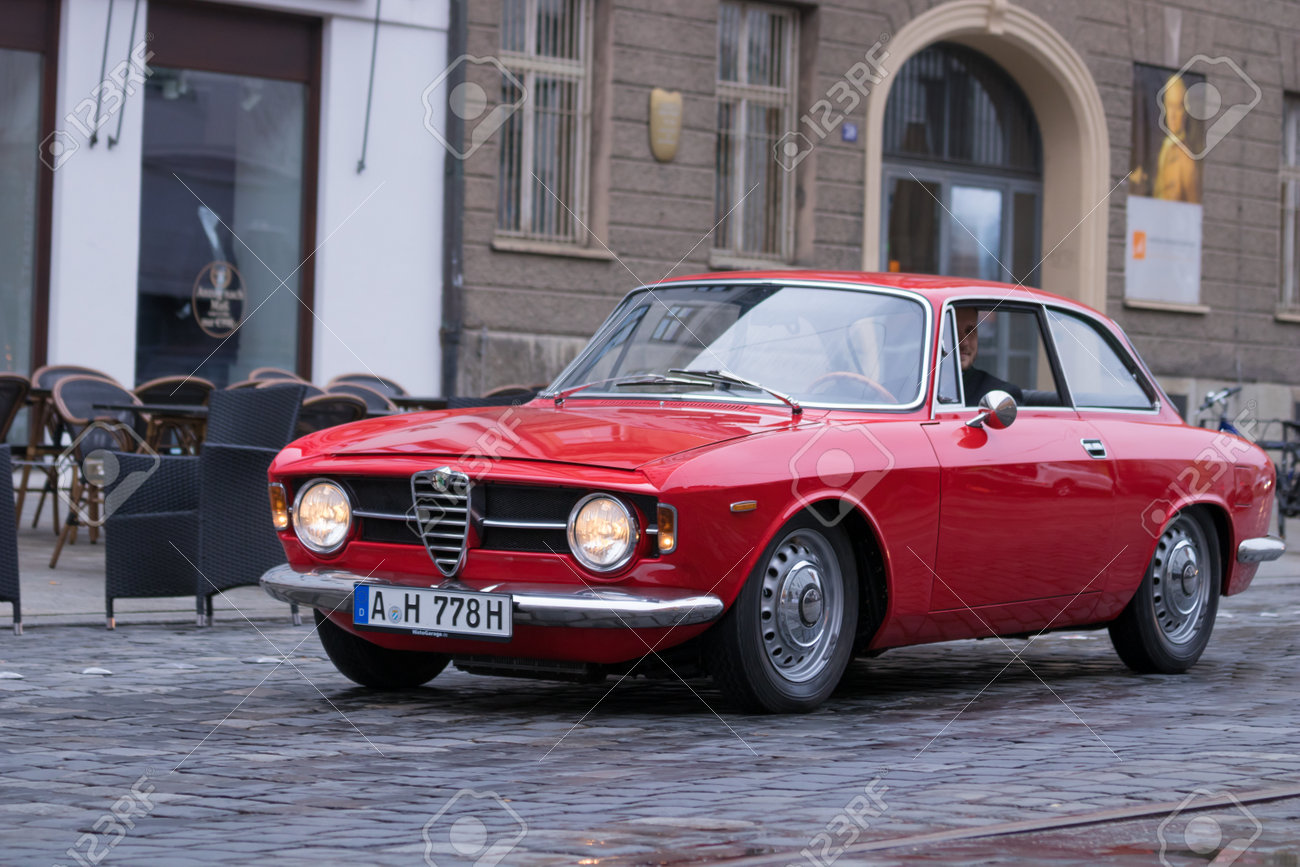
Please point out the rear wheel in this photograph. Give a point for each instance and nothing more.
(371, 665)
(786, 641)
(1168, 622)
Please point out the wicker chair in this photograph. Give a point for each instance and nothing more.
(201, 525)
(43, 419)
(263, 373)
(184, 434)
(13, 397)
(328, 410)
(310, 390)
(376, 401)
(92, 430)
(379, 383)
(9, 541)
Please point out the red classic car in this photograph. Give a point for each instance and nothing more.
(762, 475)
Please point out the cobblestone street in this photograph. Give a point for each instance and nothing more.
(199, 747)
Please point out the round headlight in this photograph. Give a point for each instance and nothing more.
(322, 516)
(602, 533)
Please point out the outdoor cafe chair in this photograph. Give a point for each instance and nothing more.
(93, 446)
(264, 373)
(376, 401)
(9, 590)
(183, 432)
(327, 411)
(13, 397)
(383, 385)
(199, 525)
(43, 423)
(311, 390)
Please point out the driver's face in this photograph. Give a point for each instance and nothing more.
(968, 336)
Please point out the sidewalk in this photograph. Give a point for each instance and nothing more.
(73, 593)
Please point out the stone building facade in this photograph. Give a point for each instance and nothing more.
(1023, 112)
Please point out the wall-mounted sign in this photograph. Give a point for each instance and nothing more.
(218, 299)
(1163, 246)
(665, 123)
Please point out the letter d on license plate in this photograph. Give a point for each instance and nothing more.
(421, 611)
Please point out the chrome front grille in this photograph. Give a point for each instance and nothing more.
(440, 503)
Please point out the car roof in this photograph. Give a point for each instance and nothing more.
(937, 288)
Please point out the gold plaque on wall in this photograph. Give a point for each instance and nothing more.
(665, 123)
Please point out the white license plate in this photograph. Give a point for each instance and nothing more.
(436, 613)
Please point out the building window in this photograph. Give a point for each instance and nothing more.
(544, 142)
(756, 107)
(1291, 202)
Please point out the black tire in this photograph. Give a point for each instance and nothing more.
(768, 657)
(376, 667)
(1167, 624)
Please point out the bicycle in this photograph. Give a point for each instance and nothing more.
(1287, 486)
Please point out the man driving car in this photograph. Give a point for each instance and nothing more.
(976, 382)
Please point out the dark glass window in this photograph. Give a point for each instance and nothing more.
(954, 105)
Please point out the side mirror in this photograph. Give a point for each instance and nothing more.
(997, 409)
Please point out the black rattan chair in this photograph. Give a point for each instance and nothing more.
(9, 541)
(201, 525)
(175, 390)
(310, 390)
(380, 384)
(13, 397)
(376, 401)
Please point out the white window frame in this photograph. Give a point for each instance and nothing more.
(526, 66)
(746, 94)
(1290, 202)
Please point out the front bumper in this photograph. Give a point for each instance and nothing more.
(1260, 549)
(533, 604)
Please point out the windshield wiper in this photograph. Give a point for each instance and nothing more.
(629, 381)
(723, 377)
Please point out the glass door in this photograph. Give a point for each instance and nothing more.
(961, 224)
(220, 224)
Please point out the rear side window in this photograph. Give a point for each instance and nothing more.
(1099, 373)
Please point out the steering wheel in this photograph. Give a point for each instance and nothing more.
(855, 377)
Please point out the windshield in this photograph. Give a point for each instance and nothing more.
(819, 345)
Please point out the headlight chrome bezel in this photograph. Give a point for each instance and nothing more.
(297, 510)
(634, 534)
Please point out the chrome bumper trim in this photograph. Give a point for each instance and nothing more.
(533, 604)
(1260, 549)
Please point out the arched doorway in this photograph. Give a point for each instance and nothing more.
(1072, 124)
(963, 168)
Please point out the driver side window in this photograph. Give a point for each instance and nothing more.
(1002, 348)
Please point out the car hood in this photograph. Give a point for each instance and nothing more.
(617, 436)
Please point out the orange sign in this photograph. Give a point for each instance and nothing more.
(1139, 244)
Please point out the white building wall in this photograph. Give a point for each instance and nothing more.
(95, 244)
(378, 268)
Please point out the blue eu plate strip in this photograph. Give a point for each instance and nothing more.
(360, 604)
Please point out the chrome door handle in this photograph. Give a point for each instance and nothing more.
(1094, 447)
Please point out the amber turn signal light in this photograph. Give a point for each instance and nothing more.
(667, 529)
(279, 505)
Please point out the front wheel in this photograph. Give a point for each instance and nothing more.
(1166, 626)
(371, 665)
(786, 641)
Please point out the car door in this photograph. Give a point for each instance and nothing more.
(1025, 513)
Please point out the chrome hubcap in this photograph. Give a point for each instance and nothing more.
(1180, 581)
(802, 605)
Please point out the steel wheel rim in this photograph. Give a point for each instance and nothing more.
(802, 606)
(1180, 581)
